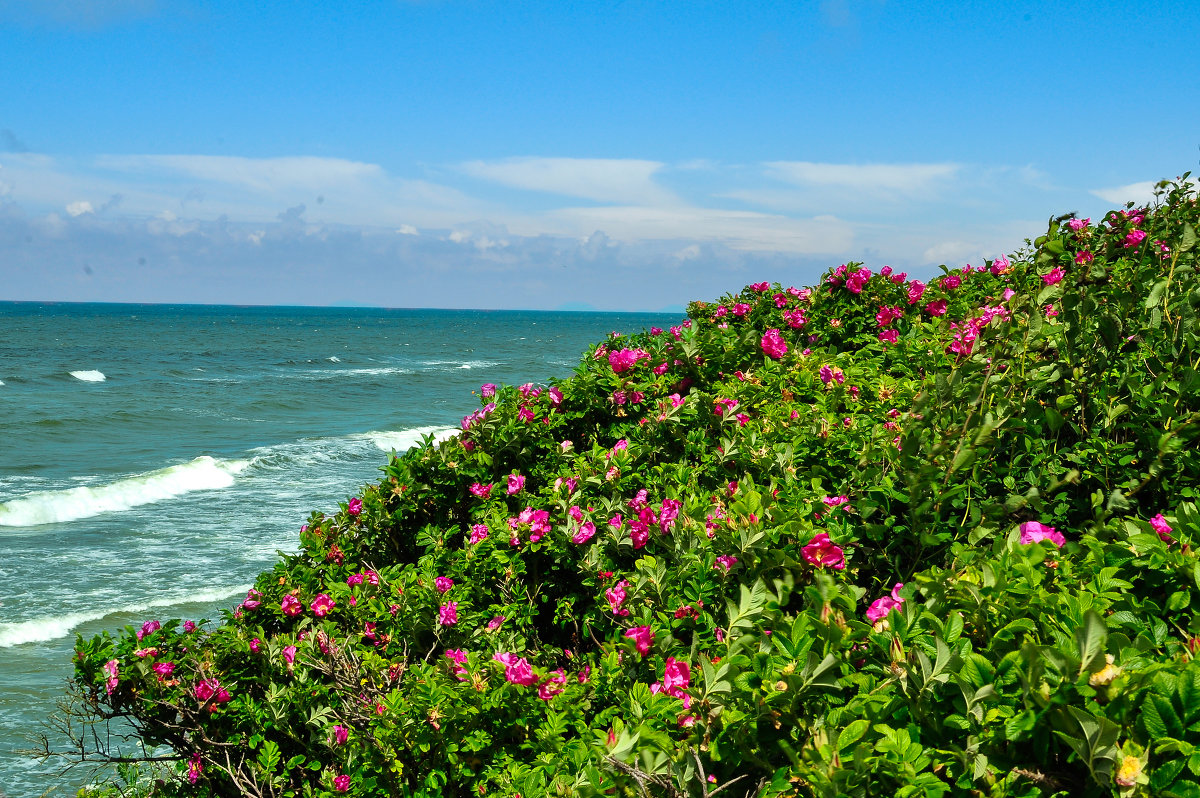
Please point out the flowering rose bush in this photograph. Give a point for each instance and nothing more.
(880, 536)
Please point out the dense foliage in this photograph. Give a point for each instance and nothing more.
(876, 537)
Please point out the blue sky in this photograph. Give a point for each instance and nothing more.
(617, 155)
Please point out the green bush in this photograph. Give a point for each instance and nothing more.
(869, 538)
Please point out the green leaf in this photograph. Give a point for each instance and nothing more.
(1089, 642)
(1188, 239)
(853, 732)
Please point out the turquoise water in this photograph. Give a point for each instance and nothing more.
(154, 458)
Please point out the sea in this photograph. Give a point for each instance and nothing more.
(154, 459)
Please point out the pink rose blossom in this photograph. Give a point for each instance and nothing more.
(1161, 527)
(586, 531)
(148, 628)
(880, 608)
(725, 562)
(291, 605)
(340, 734)
(481, 491)
(195, 768)
(951, 281)
(164, 669)
(1084, 257)
(448, 613)
(112, 673)
(517, 670)
(443, 583)
(616, 596)
(516, 483)
(552, 685)
(1055, 276)
(1078, 224)
(824, 553)
(676, 677)
(487, 390)
(341, 783)
(289, 655)
(1033, 532)
(354, 507)
(915, 289)
(937, 307)
(495, 623)
(1134, 237)
(189, 627)
(322, 605)
(889, 336)
(478, 533)
(255, 646)
(643, 637)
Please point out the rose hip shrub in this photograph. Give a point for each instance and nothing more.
(880, 536)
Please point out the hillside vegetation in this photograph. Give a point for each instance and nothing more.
(874, 537)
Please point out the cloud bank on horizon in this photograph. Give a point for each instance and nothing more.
(661, 179)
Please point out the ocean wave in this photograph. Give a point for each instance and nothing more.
(337, 374)
(51, 627)
(463, 364)
(89, 376)
(403, 440)
(334, 359)
(52, 507)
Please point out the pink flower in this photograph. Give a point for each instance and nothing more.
(517, 670)
(915, 289)
(625, 359)
(936, 308)
(252, 601)
(289, 655)
(341, 783)
(725, 562)
(1078, 224)
(322, 605)
(552, 685)
(643, 637)
(495, 623)
(556, 396)
(340, 734)
(112, 673)
(458, 657)
(676, 677)
(478, 533)
(1134, 237)
(206, 689)
(1161, 527)
(255, 646)
(880, 607)
(164, 669)
(1055, 276)
(487, 390)
(889, 336)
(291, 605)
(515, 484)
(616, 596)
(1033, 532)
(443, 583)
(189, 627)
(1084, 257)
(448, 613)
(951, 281)
(1000, 265)
(481, 491)
(836, 501)
(760, 287)
(354, 506)
(856, 281)
(525, 414)
(887, 314)
(586, 531)
(823, 553)
(741, 309)
(195, 769)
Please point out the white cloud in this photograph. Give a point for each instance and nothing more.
(79, 207)
(1138, 193)
(616, 180)
(256, 174)
(879, 180)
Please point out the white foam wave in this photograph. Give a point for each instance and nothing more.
(334, 374)
(89, 376)
(460, 364)
(51, 627)
(334, 359)
(403, 440)
(52, 507)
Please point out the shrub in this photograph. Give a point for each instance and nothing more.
(873, 537)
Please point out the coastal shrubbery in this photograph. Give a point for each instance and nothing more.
(873, 537)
